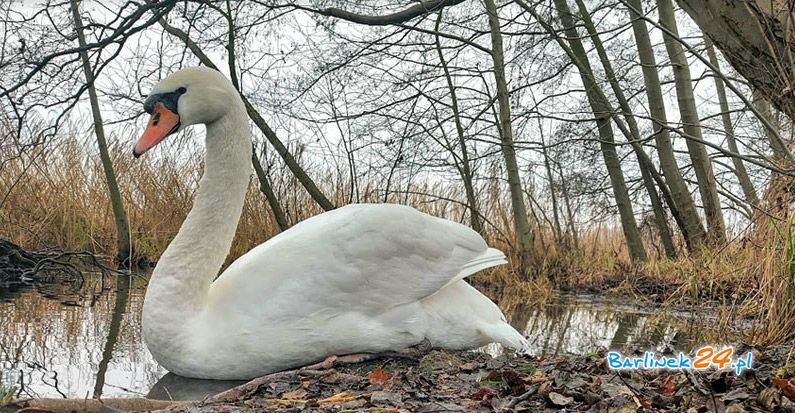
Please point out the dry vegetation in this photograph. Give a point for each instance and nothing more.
(56, 198)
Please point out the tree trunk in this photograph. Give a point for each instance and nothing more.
(548, 170)
(602, 110)
(522, 226)
(755, 36)
(569, 212)
(267, 190)
(690, 224)
(464, 165)
(739, 167)
(646, 167)
(691, 125)
(777, 146)
(123, 245)
(777, 198)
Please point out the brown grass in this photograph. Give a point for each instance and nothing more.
(56, 198)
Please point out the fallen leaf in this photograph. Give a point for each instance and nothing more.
(379, 397)
(537, 377)
(787, 387)
(769, 398)
(484, 393)
(667, 386)
(643, 403)
(378, 376)
(736, 394)
(469, 366)
(294, 395)
(558, 399)
(735, 408)
(513, 379)
(575, 383)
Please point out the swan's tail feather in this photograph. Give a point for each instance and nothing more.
(490, 258)
(506, 335)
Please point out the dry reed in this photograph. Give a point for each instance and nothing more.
(56, 197)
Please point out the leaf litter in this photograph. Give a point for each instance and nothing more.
(475, 382)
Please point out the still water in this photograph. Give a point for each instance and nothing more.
(83, 338)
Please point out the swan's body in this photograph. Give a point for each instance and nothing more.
(362, 278)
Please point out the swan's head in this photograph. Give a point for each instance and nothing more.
(187, 97)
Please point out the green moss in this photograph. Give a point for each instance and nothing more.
(786, 372)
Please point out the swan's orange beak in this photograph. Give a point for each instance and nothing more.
(162, 123)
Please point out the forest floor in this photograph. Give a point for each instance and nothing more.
(475, 382)
(444, 381)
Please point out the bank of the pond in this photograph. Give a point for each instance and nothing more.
(452, 382)
(439, 382)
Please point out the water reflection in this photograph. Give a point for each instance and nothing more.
(583, 324)
(83, 340)
(119, 308)
(52, 339)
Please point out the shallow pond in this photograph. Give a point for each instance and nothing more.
(83, 338)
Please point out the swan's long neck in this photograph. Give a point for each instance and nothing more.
(181, 280)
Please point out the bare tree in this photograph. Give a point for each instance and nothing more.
(691, 226)
(634, 137)
(756, 37)
(691, 125)
(728, 127)
(463, 164)
(123, 245)
(521, 224)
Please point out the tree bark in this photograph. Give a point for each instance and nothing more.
(267, 190)
(521, 223)
(569, 212)
(691, 125)
(602, 110)
(691, 227)
(646, 167)
(777, 146)
(777, 198)
(755, 36)
(123, 245)
(739, 167)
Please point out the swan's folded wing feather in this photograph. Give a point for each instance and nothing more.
(357, 258)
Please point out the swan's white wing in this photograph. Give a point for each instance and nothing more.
(357, 258)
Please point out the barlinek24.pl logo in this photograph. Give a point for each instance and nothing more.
(705, 358)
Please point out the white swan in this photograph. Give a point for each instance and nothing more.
(362, 278)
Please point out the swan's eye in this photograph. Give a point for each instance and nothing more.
(181, 90)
